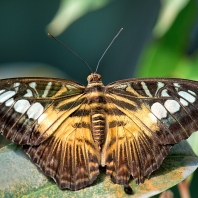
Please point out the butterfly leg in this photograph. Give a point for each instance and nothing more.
(127, 189)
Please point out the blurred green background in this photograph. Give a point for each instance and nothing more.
(160, 39)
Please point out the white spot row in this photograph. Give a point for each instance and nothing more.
(187, 96)
(21, 106)
(8, 94)
(33, 111)
(5, 96)
(161, 111)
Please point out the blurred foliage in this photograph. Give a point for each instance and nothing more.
(168, 13)
(24, 38)
(173, 53)
(168, 56)
(72, 10)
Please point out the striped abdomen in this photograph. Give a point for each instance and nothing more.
(98, 126)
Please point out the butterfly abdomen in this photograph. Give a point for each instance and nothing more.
(97, 103)
(98, 127)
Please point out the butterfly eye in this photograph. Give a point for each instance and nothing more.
(94, 78)
(90, 78)
(99, 77)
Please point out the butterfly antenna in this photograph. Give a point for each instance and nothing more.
(70, 50)
(108, 48)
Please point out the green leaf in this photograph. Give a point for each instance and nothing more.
(166, 57)
(21, 178)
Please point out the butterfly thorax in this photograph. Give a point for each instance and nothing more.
(97, 102)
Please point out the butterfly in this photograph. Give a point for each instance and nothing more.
(69, 130)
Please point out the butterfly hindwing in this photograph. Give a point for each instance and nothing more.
(154, 114)
(70, 155)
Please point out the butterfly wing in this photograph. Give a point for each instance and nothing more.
(146, 118)
(51, 119)
(70, 155)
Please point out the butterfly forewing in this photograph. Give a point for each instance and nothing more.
(25, 104)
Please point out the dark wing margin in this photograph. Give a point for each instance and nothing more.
(146, 118)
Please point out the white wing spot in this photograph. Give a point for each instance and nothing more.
(192, 92)
(172, 106)
(16, 86)
(2, 91)
(29, 93)
(47, 89)
(33, 85)
(164, 93)
(5, 96)
(184, 102)
(187, 96)
(21, 106)
(9, 102)
(35, 111)
(158, 110)
(176, 84)
(159, 86)
(144, 86)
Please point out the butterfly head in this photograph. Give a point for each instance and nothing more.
(94, 78)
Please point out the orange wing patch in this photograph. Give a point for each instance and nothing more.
(70, 155)
(132, 145)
